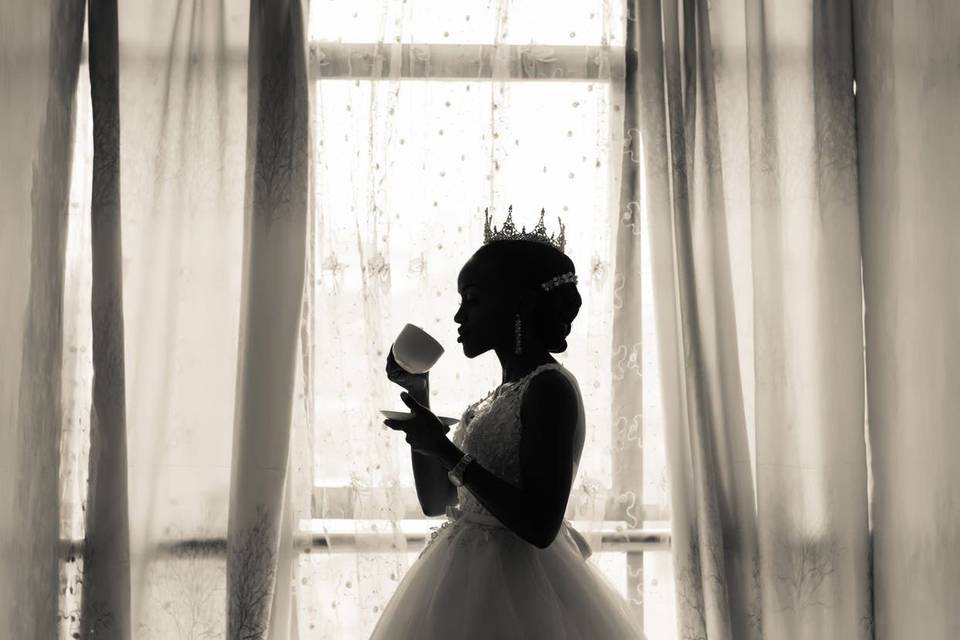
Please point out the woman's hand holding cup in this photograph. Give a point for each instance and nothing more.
(411, 356)
(416, 383)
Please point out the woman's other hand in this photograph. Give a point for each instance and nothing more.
(425, 433)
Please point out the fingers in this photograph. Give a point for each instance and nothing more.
(396, 425)
(411, 402)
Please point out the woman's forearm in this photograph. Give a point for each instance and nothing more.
(434, 490)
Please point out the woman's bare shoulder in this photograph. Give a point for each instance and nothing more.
(549, 399)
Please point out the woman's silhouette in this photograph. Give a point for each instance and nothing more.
(505, 563)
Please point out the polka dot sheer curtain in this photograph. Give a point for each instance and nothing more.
(424, 114)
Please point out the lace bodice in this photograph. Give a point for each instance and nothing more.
(490, 428)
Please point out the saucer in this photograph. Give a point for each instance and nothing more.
(404, 415)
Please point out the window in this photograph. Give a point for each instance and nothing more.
(413, 138)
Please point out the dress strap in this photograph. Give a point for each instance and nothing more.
(542, 367)
(521, 382)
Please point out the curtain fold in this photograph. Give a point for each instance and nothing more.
(273, 277)
(182, 142)
(714, 537)
(811, 453)
(106, 550)
(750, 173)
(627, 333)
(908, 92)
(39, 63)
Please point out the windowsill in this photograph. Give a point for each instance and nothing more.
(375, 536)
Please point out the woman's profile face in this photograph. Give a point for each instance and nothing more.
(484, 316)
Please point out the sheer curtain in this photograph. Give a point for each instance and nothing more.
(258, 569)
(908, 89)
(208, 331)
(183, 139)
(745, 119)
(424, 113)
(38, 72)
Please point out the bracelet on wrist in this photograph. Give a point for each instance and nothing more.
(455, 475)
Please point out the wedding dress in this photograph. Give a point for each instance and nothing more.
(476, 579)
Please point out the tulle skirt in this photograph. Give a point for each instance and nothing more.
(477, 579)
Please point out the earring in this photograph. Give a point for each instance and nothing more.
(517, 333)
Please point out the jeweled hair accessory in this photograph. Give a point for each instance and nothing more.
(559, 280)
(509, 231)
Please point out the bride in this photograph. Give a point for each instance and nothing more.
(505, 563)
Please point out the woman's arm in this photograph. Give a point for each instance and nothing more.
(434, 489)
(534, 511)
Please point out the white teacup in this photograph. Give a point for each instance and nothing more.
(415, 350)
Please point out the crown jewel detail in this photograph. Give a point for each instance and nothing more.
(509, 231)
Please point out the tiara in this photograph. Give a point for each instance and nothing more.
(509, 231)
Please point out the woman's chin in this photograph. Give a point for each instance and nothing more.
(468, 350)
